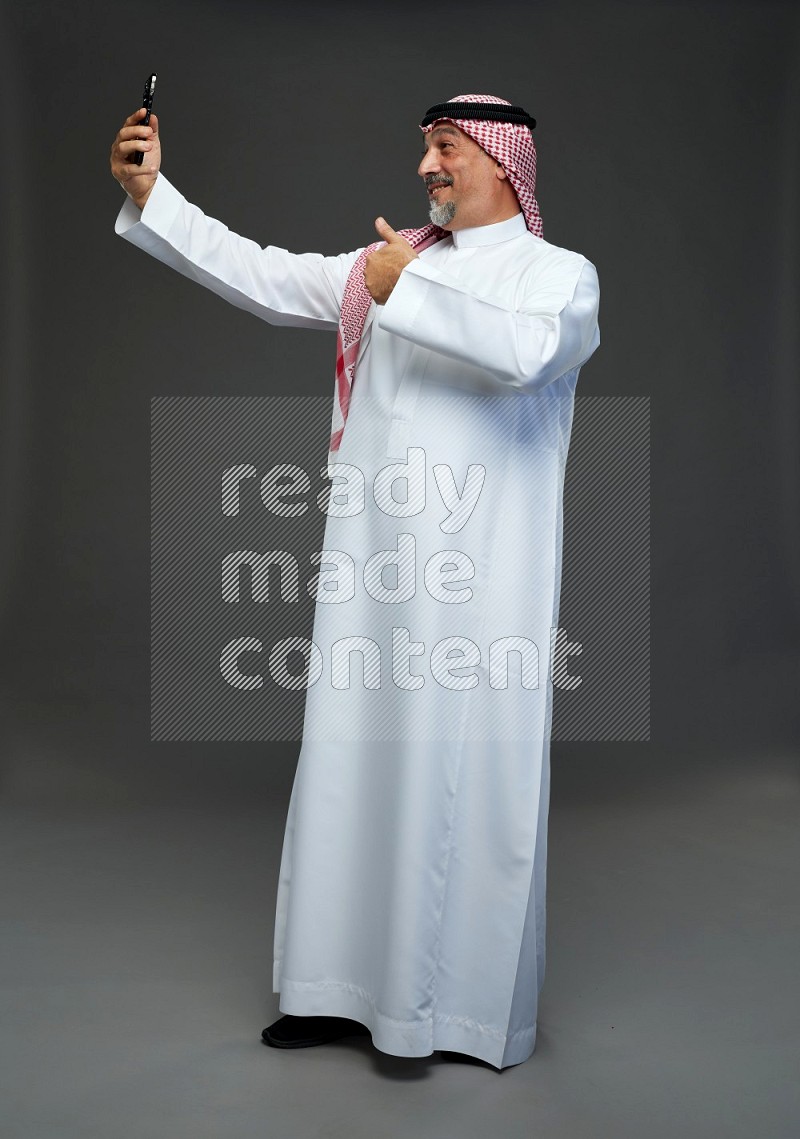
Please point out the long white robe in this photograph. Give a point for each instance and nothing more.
(412, 884)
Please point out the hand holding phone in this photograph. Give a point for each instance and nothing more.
(138, 138)
(147, 103)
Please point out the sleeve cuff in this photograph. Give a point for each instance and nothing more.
(159, 212)
(399, 314)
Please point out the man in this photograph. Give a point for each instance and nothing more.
(411, 899)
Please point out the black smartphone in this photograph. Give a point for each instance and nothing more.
(147, 103)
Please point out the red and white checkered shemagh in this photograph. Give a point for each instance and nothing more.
(510, 144)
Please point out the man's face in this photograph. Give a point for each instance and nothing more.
(466, 186)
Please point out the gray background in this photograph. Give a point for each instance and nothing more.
(139, 877)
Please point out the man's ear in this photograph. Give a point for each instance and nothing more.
(500, 172)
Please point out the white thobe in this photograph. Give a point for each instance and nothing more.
(412, 884)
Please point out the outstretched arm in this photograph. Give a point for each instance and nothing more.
(303, 290)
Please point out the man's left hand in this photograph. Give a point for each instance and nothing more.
(384, 266)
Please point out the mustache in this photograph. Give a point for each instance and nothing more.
(432, 179)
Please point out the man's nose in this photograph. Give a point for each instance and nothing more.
(429, 164)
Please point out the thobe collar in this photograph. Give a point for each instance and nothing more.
(490, 234)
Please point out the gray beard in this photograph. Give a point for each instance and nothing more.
(442, 214)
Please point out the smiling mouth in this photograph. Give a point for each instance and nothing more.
(435, 187)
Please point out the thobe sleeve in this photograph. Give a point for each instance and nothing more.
(526, 348)
(304, 290)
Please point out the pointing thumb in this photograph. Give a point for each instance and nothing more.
(386, 231)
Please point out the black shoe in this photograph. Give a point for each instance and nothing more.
(306, 1031)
